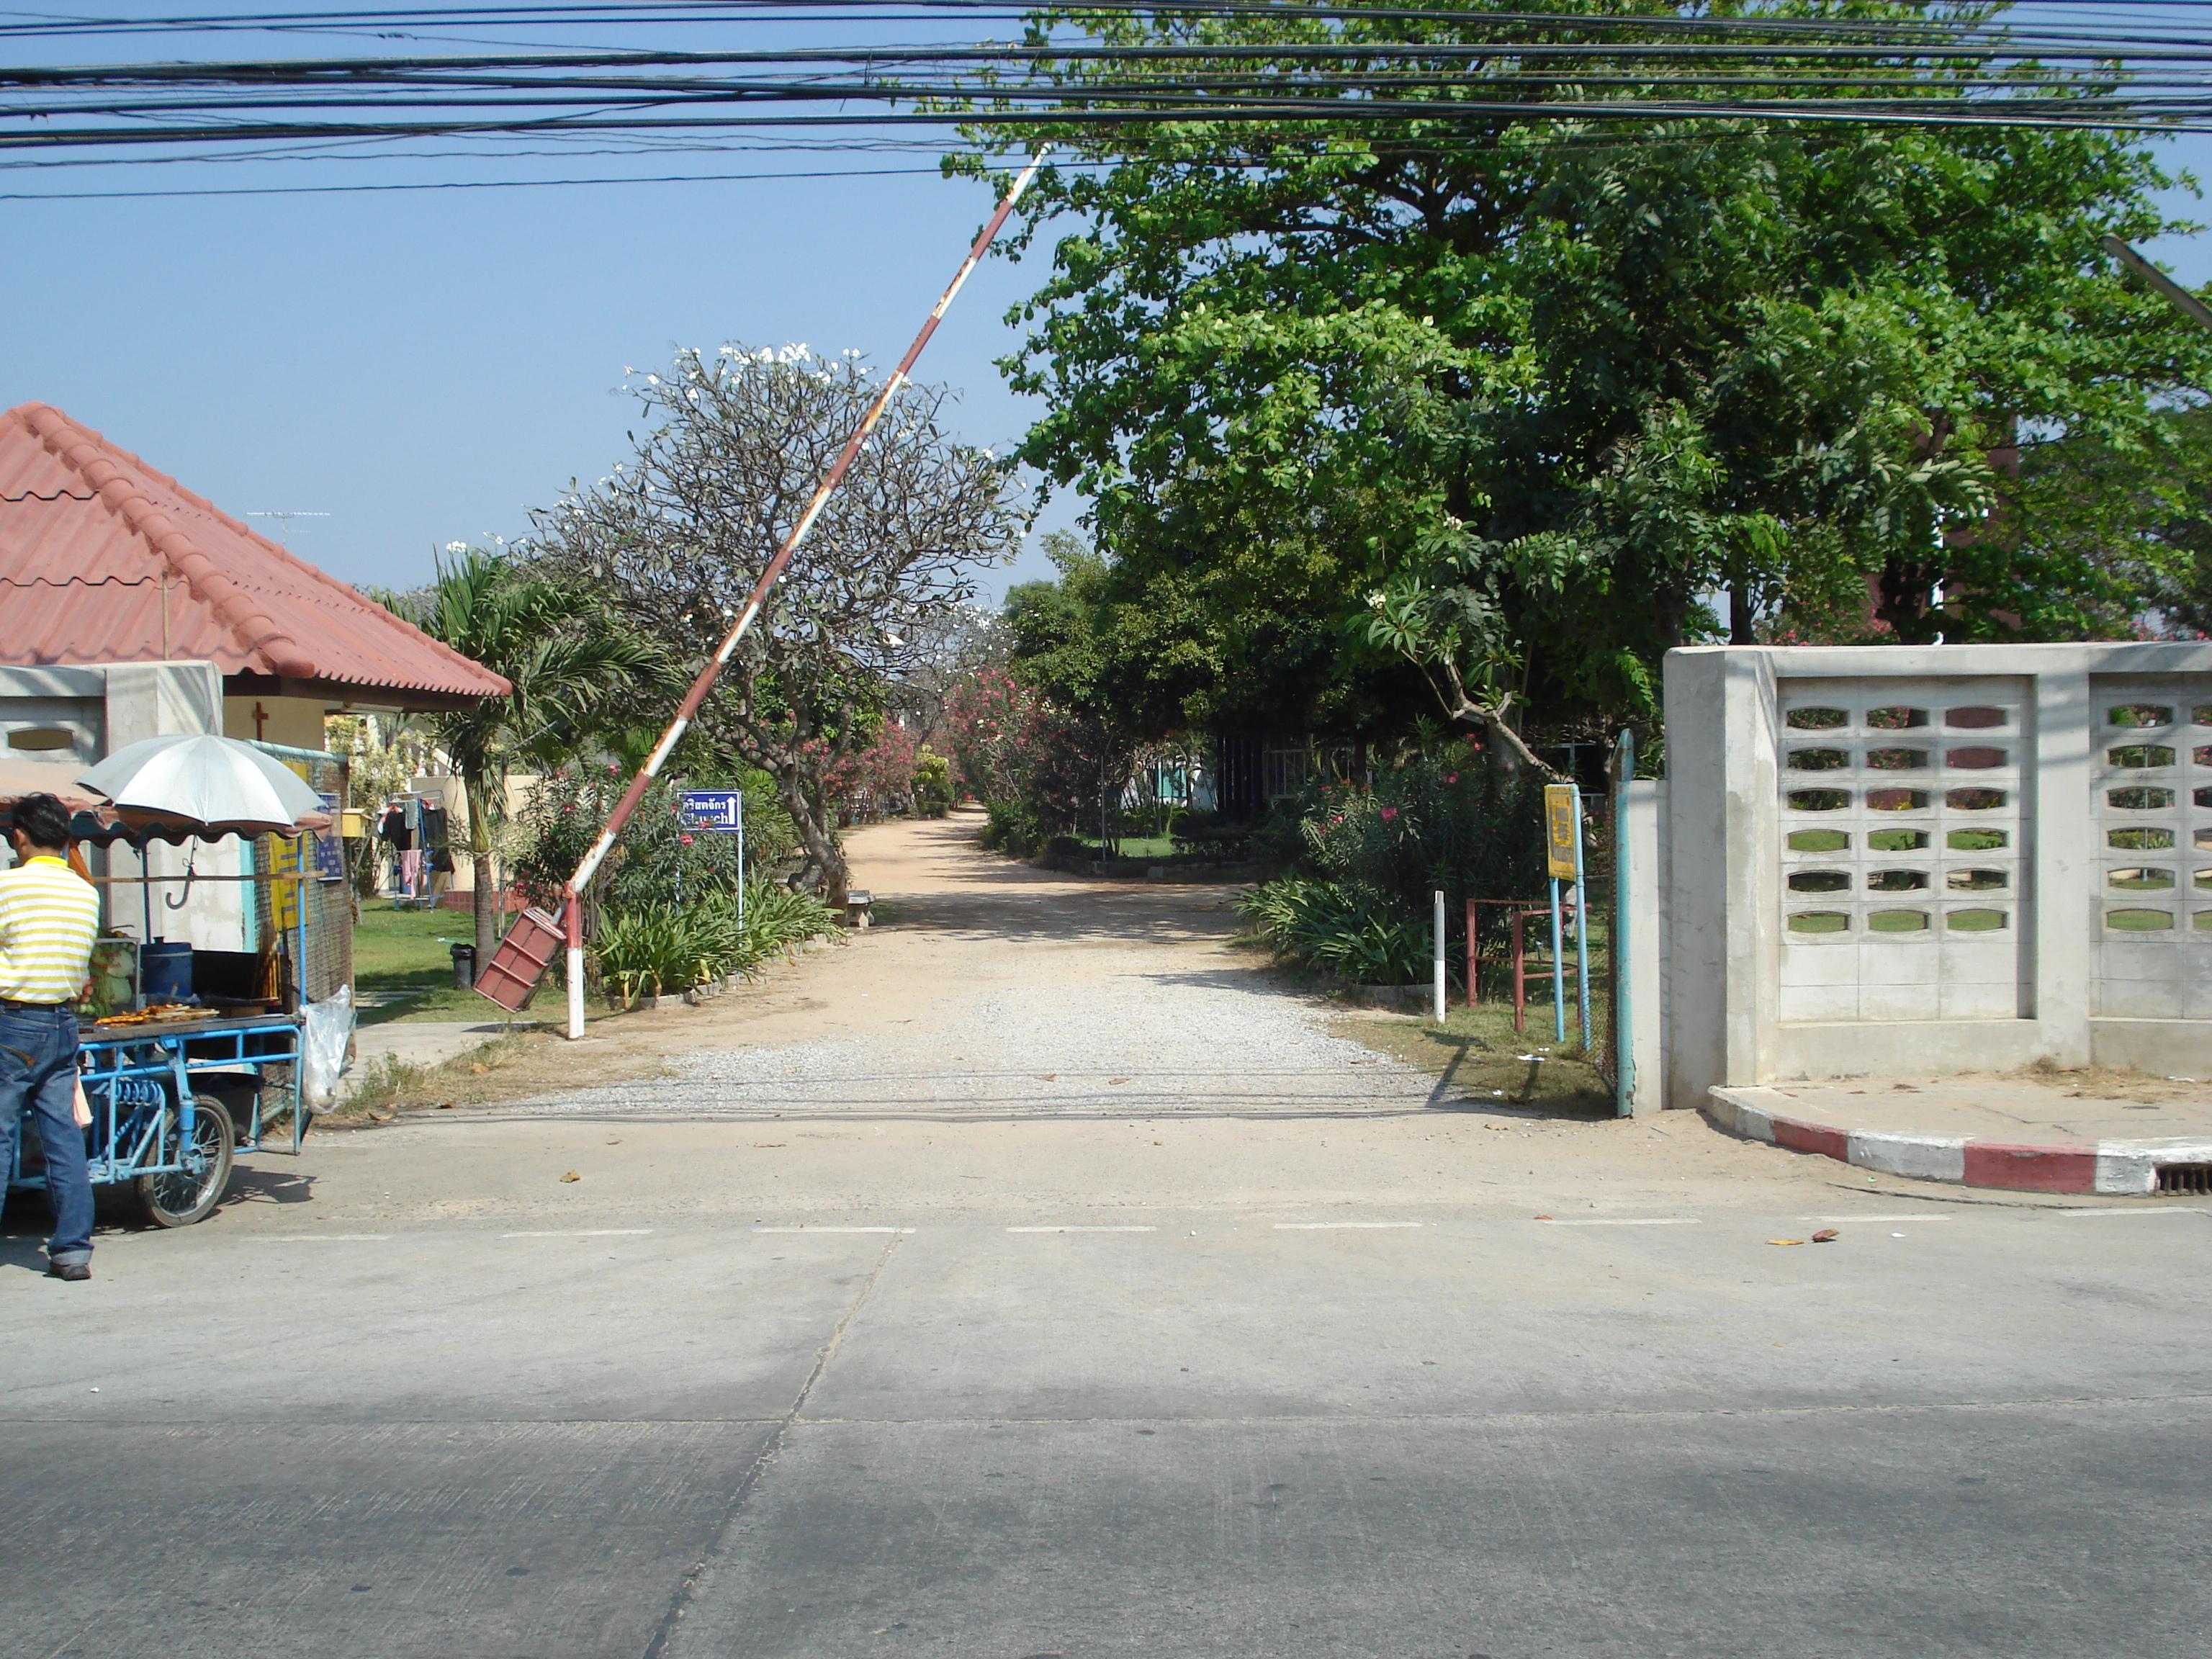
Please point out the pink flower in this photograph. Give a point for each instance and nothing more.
(1451, 777)
(686, 839)
(1390, 812)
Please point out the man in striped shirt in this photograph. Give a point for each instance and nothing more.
(49, 917)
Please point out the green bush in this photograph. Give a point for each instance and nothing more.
(1012, 828)
(1348, 931)
(656, 949)
(658, 856)
(1373, 855)
(932, 785)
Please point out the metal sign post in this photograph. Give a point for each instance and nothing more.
(720, 812)
(1563, 862)
(1624, 1008)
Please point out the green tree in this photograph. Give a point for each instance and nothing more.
(567, 661)
(1529, 390)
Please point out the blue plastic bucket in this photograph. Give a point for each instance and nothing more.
(165, 973)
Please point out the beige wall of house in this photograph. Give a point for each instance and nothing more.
(295, 722)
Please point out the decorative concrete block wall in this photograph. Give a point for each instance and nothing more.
(1928, 860)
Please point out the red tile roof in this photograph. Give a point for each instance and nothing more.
(103, 559)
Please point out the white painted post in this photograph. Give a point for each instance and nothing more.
(573, 920)
(1437, 963)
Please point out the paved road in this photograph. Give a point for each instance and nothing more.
(1217, 1436)
(870, 1383)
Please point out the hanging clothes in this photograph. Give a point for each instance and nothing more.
(395, 830)
(434, 827)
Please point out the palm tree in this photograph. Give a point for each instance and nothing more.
(566, 660)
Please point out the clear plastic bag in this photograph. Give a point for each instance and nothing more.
(327, 1032)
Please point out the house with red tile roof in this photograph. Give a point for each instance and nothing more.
(104, 559)
(130, 607)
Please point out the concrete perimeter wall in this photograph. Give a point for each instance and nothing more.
(1925, 860)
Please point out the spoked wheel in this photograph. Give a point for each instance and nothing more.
(177, 1198)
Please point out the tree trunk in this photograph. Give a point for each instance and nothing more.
(826, 857)
(486, 898)
(1904, 597)
(483, 899)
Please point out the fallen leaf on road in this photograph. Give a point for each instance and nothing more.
(1904, 1088)
(445, 1105)
(571, 1176)
(1826, 1236)
(1117, 1079)
(1543, 1218)
(479, 1070)
(1048, 1077)
(770, 1143)
(1785, 1241)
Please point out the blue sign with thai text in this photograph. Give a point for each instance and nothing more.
(719, 811)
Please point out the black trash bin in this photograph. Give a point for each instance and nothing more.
(464, 967)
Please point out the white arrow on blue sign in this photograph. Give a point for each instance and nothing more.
(721, 811)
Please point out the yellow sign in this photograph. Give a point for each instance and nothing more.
(1562, 821)
(285, 858)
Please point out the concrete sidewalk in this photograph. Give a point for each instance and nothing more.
(420, 1042)
(2064, 1133)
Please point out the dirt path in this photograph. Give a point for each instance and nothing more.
(1011, 1042)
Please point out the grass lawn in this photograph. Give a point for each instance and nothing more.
(1135, 846)
(402, 956)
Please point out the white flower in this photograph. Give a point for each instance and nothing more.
(1375, 600)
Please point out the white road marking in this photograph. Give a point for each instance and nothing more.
(1083, 1229)
(587, 1232)
(1325, 1226)
(832, 1230)
(2172, 1209)
(1838, 1220)
(1630, 1221)
(318, 1238)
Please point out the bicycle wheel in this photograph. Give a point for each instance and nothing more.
(177, 1198)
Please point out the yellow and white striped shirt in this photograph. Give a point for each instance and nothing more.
(49, 917)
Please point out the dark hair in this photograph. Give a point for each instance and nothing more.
(44, 821)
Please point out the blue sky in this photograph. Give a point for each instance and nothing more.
(424, 365)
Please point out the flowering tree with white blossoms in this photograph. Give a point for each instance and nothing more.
(734, 445)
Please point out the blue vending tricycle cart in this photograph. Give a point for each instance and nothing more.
(172, 1103)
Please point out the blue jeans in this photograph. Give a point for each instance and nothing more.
(38, 1074)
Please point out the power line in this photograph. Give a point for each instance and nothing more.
(1949, 72)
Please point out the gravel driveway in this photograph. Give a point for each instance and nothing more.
(999, 990)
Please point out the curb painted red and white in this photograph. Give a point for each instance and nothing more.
(2119, 1166)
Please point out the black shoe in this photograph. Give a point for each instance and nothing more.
(74, 1272)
